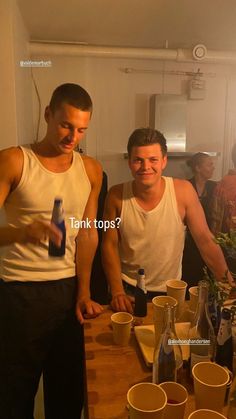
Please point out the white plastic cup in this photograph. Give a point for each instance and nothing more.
(176, 288)
(210, 383)
(193, 294)
(146, 401)
(177, 397)
(121, 325)
(206, 414)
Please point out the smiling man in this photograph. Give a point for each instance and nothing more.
(153, 210)
(43, 299)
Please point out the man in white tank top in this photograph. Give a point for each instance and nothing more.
(153, 211)
(42, 299)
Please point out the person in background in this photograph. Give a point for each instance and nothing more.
(153, 210)
(43, 299)
(223, 208)
(202, 167)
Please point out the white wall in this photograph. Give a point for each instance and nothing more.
(230, 122)
(16, 118)
(23, 82)
(15, 87)
(7, 77)
(121, 105)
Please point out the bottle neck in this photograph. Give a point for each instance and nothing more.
(202, 299)
(169, 322)
(58, 213)
(141, 283)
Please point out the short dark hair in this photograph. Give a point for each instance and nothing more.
(146, 136)
(196, 160)
(73, 94)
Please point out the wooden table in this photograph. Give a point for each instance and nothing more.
(111, 370)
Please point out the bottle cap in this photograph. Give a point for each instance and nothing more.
(58, 200)
(141, 271)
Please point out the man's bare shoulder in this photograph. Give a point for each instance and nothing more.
(11, 153)
(11, 166)
(183, 186)
(185, 194)
(93, 168)
(11, 160)
(91, 163)
(116, 192)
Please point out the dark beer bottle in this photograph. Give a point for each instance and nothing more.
(58, 220)
(140, 297)
(224, 344)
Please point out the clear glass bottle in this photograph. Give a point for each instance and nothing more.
(201, 334)
(224, 344)
(140, 297)
(58, 220)
(168, 360)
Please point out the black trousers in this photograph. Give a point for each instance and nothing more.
(40, 333)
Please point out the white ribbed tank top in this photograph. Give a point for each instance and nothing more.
(152, 240)
(33, 199)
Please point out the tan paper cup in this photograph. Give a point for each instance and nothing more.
(177, 289)
(193, 294)
(206, 414)
(177, 397)
(121, 325)
(210, 381)
(158, 312)
(146, 401)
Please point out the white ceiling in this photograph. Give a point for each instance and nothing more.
(134, 23)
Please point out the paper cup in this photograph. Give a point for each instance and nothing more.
(206, 414)
(210, 381)
(177, 289)
(121, 325)
(177, 397)
(146, 401)
(193, 294)
(158, 312)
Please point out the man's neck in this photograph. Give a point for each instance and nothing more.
(148, 196)
(45, 149)
(50, 158)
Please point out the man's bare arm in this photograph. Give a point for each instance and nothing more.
(210, 251)
(86, 244)
(11, 166)
(110, 255)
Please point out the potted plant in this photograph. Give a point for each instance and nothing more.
(227, 242)
(218, 292)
